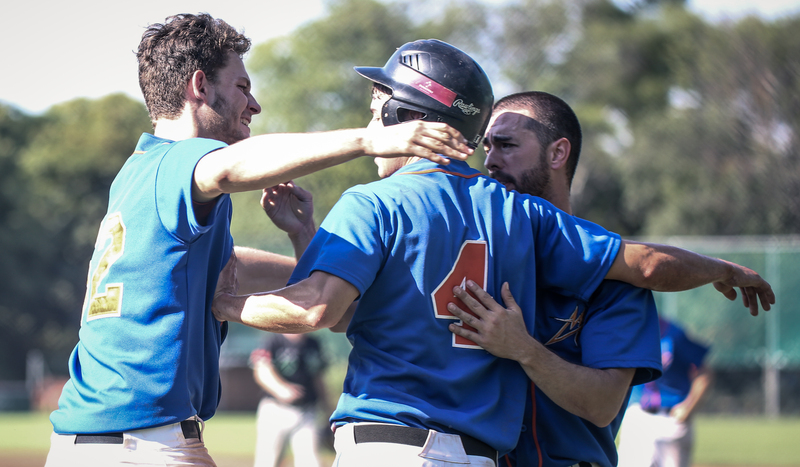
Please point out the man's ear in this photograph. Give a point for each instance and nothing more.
(199, 89)
(558, 153)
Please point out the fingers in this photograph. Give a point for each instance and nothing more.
(434, 141)
(726, 290)
(302, 194)
(485, 299)
(442, 140)
(749, 300)
(465, 316)
(508, 299)
(464, 332)
(751, 296)
(767, 298)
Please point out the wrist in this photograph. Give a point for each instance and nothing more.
(306, 232)
(528, 354)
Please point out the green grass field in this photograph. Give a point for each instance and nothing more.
(721, 441)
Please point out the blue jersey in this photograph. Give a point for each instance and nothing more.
(404, 242)
(616, 328)
(148, 350)
(680, 357)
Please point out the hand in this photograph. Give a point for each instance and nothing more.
(288, 393)
(753, 287)
(258, 356)
(290, 207)
(226, 284)
(501, 331)
(417, 138)
(679, 412)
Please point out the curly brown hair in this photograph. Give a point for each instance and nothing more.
(171, 52)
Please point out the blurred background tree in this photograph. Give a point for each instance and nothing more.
(57, 169)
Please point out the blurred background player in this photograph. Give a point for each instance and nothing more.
(289, 368)
(584, 354)
(657, 430)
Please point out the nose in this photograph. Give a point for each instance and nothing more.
(493, 160)
(253, 105)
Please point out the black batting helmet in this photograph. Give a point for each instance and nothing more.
(439, 80)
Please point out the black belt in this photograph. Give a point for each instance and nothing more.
(656, 410)
(189, 428)
(399, 434)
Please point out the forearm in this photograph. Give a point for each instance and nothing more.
(666, 268)
(267, 160)
(592, 394)
(270, 312)
(315, 303)
(260, 271)
(302, 239)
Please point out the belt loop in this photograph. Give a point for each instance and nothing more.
(202, 426)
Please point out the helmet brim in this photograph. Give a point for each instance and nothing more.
(375, 74)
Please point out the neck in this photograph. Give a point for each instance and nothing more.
(561, 201)
(177, 129)
(559, 192)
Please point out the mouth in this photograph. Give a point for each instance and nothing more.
(504, 179)
(245, 122)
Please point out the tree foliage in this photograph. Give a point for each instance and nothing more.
(306, 82)
(55, 188)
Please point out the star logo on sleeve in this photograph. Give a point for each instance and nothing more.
(572, 327)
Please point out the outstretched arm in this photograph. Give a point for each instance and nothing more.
(593, 394)
(267, 160)
(666, 268)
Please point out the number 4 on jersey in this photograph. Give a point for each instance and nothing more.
(472, 263)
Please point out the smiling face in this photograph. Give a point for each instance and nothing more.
(514, 155)
(231, 105)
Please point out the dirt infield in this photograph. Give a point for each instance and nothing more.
(22, 460)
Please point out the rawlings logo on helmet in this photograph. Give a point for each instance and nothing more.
(468, 109)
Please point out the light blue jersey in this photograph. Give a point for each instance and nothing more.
(404, 242)
(148, 353)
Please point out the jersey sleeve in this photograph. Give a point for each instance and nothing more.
(573, 254)
(174, 187)
(349, 243)
(621, 331)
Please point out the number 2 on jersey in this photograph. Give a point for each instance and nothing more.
(472, 263)
(106, 302)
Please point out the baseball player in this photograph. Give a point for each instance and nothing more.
(584, 354)
(145, 373)
(658, 430)
(289, 368)
(414, 393)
